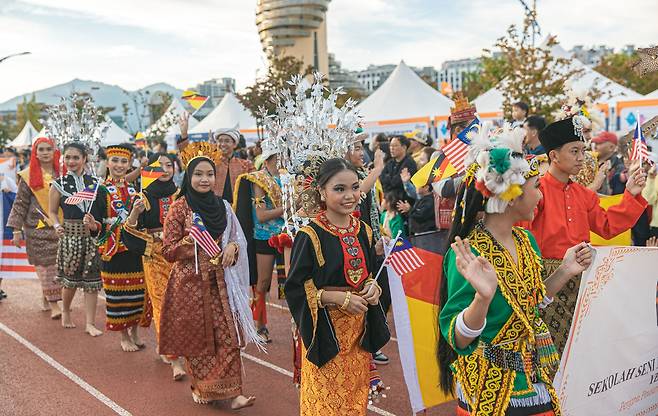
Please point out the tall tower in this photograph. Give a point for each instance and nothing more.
(295, 28)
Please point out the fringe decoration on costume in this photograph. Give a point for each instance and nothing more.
(548, 356)
(237, 283)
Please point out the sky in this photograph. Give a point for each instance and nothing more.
(135, 43)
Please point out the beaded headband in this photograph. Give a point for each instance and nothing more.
(119, 151)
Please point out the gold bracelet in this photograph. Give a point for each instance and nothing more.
(348, 296)
(131, 225)
(318, 298)
(18, 232)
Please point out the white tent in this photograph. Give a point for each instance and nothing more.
(653, 94)
(404, 95)
(230, 113)
(25, 137)
(492, 100)
(114, 135)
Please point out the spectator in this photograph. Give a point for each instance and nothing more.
(519, 113)
(421, 214)
(425, 157)
(159, 146)
(606, 148)
(417, 142)
(533, 125)
(380, 141)
(391, 220)
(650, 193)
(390, 177)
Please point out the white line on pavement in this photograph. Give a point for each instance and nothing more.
(289, 374)
(70, 375)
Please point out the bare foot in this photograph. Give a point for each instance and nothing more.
(128, 346)
(66, 320)
(241, 402)
(55, 311)
(93, 331)
(165, 359)
(178, 369)
(45, 306)
(134, 337)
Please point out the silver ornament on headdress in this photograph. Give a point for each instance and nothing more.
(77, 120)
(308, 129)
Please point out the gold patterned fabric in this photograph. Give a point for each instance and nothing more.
(559, 314)
(340, 387)
(156, 273)
(589, 170)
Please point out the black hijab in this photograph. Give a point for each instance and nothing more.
(210, 207)
(160, 189)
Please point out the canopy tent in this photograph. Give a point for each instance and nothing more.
(25, 137)
(653, 94)
(404, 95)
(230, 113)
(492, 100)
(114, 135)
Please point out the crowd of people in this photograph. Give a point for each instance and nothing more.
(513, 228)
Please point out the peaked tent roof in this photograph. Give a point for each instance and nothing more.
(653, 94)
(25, 137)
(492, 100)
(176, 108)
(230, 113)
(115, 135)
(404, 95)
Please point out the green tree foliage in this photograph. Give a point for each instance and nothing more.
(618, 67)
(279, 72)
(28, 111)
(494, 69)
(160, 105)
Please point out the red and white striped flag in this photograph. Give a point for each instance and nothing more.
(14, 263)
(456, 151)
(403, 258)
(640, 151)
(200, 234)
(88, 194)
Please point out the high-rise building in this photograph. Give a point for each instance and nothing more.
(216, 88)
(591, 56)
(453, 72)
(294, 28)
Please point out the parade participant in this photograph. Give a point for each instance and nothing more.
(121, 269)
(533, 125)
(257, 204)
(334, 299)
(78, 263)
(142, 233)
(29, 214)
(205, 314)
(494, 343)
(569, 211)
(9, 189)
(445, 191)
(228, 166)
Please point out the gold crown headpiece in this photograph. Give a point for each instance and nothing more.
(196, 150)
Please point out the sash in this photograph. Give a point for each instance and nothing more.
(42, 196)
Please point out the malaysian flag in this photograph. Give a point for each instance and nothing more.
(88, 194)
(403, 258)
(200, 234)
(640, 151)
(457, 150)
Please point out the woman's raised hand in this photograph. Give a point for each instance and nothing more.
(475, 269)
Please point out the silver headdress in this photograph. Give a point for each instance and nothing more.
(579, 106)
(308, 129)
(77, 120)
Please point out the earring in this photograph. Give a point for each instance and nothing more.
(322, 198)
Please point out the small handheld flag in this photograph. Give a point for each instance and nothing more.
(88, 194)
(457, 150)
(151, 173)
(434, 171)
(403, 258)
(40, 224)
(202, 237)
(195, 99)
(640, 151)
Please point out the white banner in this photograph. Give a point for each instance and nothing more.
(610, 363)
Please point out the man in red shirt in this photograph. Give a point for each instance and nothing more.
(569, 211)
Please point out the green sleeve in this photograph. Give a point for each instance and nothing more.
(460, 295)
(533, 242)
(397, 224)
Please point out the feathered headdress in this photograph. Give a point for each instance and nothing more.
(579, 106)
(308, 129)
(498, 166)
(77, 120)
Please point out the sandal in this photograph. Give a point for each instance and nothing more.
(265, 335)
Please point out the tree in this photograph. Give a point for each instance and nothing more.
(159, 105)
(28, 111)
(494, 69)
(353, 94)
(618, 67)
(279, 72)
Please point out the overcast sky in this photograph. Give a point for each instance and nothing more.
(134, 43)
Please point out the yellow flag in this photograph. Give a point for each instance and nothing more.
(435, 170)
(41, 224)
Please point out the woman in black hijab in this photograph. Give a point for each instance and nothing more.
(206, 291)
